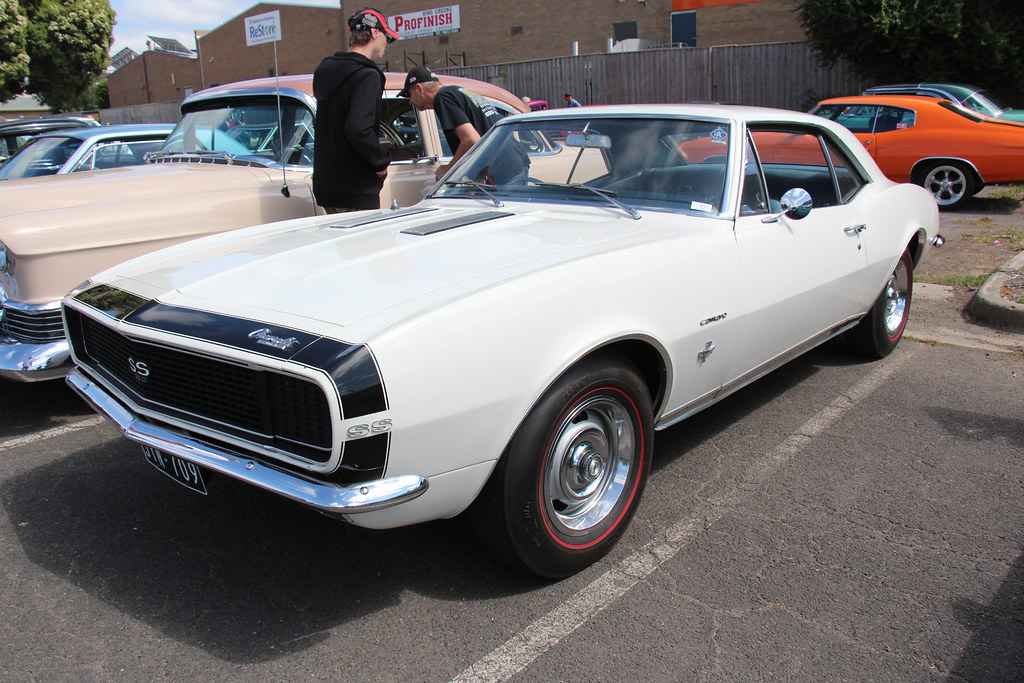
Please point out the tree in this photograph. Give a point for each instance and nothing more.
(69, 45)
(14, 62)
(891, 41)
(61, 45)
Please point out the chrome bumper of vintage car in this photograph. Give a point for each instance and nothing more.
(32, 342)
(331, 499)
(33, 362)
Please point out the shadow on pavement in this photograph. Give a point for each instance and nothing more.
(27, 407)
(242, 574)
(996, 652)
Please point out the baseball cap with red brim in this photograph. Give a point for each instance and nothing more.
(368, 18)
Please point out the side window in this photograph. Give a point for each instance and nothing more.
(754, 197)
(848, 178)
(795, 159)
(894, 118)
(400, 129)
(859, 118)
(115, 154)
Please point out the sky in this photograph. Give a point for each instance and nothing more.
(137, 19)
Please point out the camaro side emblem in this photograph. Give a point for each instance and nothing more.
(139, 368)
(265, 337)
(713, 319)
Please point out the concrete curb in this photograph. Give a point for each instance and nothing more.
(989, 308)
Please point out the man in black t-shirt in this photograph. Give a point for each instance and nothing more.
(464, 115)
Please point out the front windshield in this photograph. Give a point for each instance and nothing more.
(984, 103)
(675, 164)
(246, 129)
(41, 156)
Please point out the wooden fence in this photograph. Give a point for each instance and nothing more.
(784, 75)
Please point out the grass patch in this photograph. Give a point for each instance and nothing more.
(971, 281)
(1006, 235)
(1008, 192)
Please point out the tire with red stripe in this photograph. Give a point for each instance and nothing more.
(878, 332)
(572, 476)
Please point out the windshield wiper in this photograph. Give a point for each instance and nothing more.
(480, 186)
(607, 195)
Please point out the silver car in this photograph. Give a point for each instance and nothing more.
(85, 149)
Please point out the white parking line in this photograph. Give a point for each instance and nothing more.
(50, 433)
(522, 649)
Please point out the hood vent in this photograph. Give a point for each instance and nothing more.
(386, 215)
(458, 222)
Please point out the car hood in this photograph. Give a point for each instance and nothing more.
(75, 191)
(319, 273)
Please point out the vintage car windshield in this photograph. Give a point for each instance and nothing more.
(985, 103)
(654, 163)
(39, 157)
(248, 129)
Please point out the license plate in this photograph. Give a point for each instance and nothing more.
(182, 471)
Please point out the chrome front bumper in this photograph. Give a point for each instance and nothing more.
(33, 362)
(331, 499)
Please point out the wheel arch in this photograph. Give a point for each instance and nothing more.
(916, 246)
(645, 353)
(649, 358)
(918, 168)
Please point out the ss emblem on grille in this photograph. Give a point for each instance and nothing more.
(139, 368)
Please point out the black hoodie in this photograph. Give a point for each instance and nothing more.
(348, 153)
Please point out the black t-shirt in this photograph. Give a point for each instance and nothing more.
(455, 106)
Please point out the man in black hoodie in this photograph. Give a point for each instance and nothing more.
(349, 163)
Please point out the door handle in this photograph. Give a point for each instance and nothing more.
(855, 229)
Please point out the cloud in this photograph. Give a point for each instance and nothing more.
(137, 19)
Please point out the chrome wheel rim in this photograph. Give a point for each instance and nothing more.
(589, 465)
(896, 291)
(947, 184)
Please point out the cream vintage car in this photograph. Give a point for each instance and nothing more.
(224, 166)
(508, 346)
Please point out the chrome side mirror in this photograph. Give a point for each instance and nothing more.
(795, 203)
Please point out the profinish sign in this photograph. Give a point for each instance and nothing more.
(429, 22)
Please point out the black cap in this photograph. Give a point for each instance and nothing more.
(368, 18)
(418, 74)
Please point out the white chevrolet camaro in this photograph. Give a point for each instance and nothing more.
(508, 346)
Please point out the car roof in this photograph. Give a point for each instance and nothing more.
(122, 130)
(39, 125)
(734, 112)
(895, 100)
(959, 90)
(393, 81)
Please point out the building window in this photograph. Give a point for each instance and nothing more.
(624, 30)
(684, 28)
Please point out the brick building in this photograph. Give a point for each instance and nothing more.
(496, 31)
(153, 76)
(459, 34)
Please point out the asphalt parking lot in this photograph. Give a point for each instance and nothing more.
(840, 520)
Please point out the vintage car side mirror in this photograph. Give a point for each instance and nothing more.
(795, 203)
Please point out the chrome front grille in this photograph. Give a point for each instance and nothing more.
(282, 411)
(31, 326)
